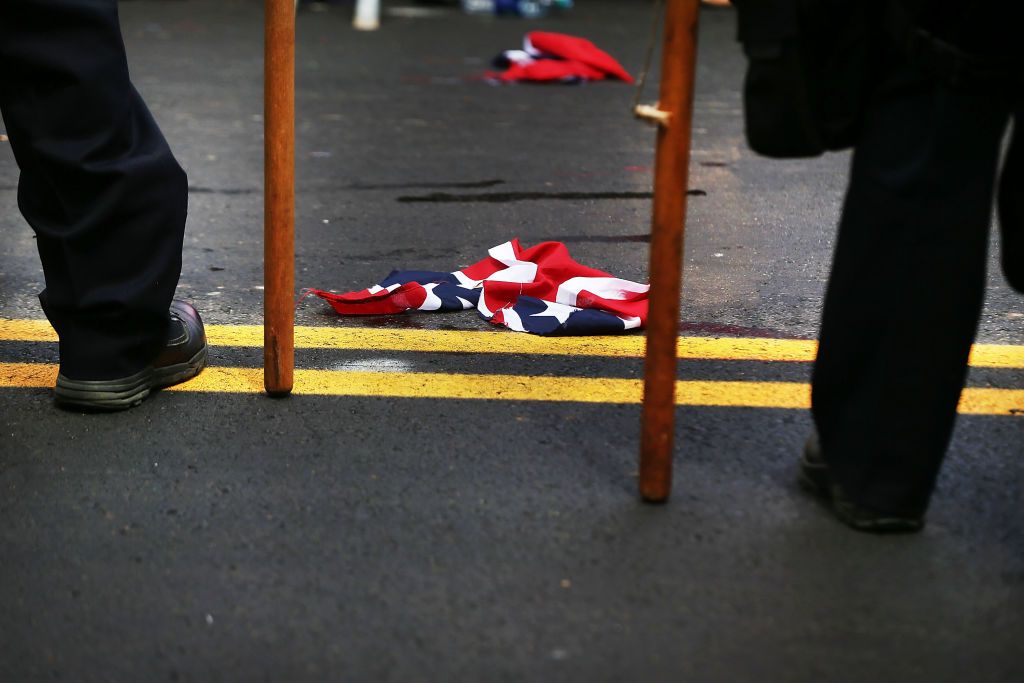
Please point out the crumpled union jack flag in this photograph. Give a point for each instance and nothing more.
(540, 290)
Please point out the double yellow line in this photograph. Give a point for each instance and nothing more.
(516, 387)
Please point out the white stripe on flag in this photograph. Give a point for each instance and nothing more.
(481, 305)
(604, 287)
(433, 301)
(519, 56)
(528, 47)
(560, 312)
(512, 319)
(465, 280)
(521, 272)
(517, 271)
(504, 253)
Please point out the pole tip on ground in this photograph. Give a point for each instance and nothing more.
(654, 500)
(656, 491)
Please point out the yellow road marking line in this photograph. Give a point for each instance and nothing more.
(26, 331)
(449, 341)
(979, 401)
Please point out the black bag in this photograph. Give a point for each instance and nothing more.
(811, 64)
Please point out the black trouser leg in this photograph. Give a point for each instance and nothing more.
(906, 288)
(1011, 206)
(99, 184)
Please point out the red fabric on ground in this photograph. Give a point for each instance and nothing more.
(546, 70)
(578, 50)
(549, 57)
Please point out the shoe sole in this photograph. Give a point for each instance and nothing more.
(876, 524)
(121, 394)
(813, 478)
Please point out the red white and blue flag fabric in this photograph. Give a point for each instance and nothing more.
(540, 290)
(548, 57)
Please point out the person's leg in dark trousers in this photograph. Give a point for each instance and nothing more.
(1011, 206)
(98, 184)
(906, 288)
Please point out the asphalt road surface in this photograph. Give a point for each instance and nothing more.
(402, 518)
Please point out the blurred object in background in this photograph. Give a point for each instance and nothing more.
(478, 6)
(529, 9)
(367, 15)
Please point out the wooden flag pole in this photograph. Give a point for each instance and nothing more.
(667, 231)
(279, 197)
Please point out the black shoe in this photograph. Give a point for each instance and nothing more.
(814, 478)
(183, 357)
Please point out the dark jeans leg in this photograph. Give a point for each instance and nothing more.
(98, 184)
(906, 288)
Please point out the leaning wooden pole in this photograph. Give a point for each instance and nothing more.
(667, 230)
(279, 197)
